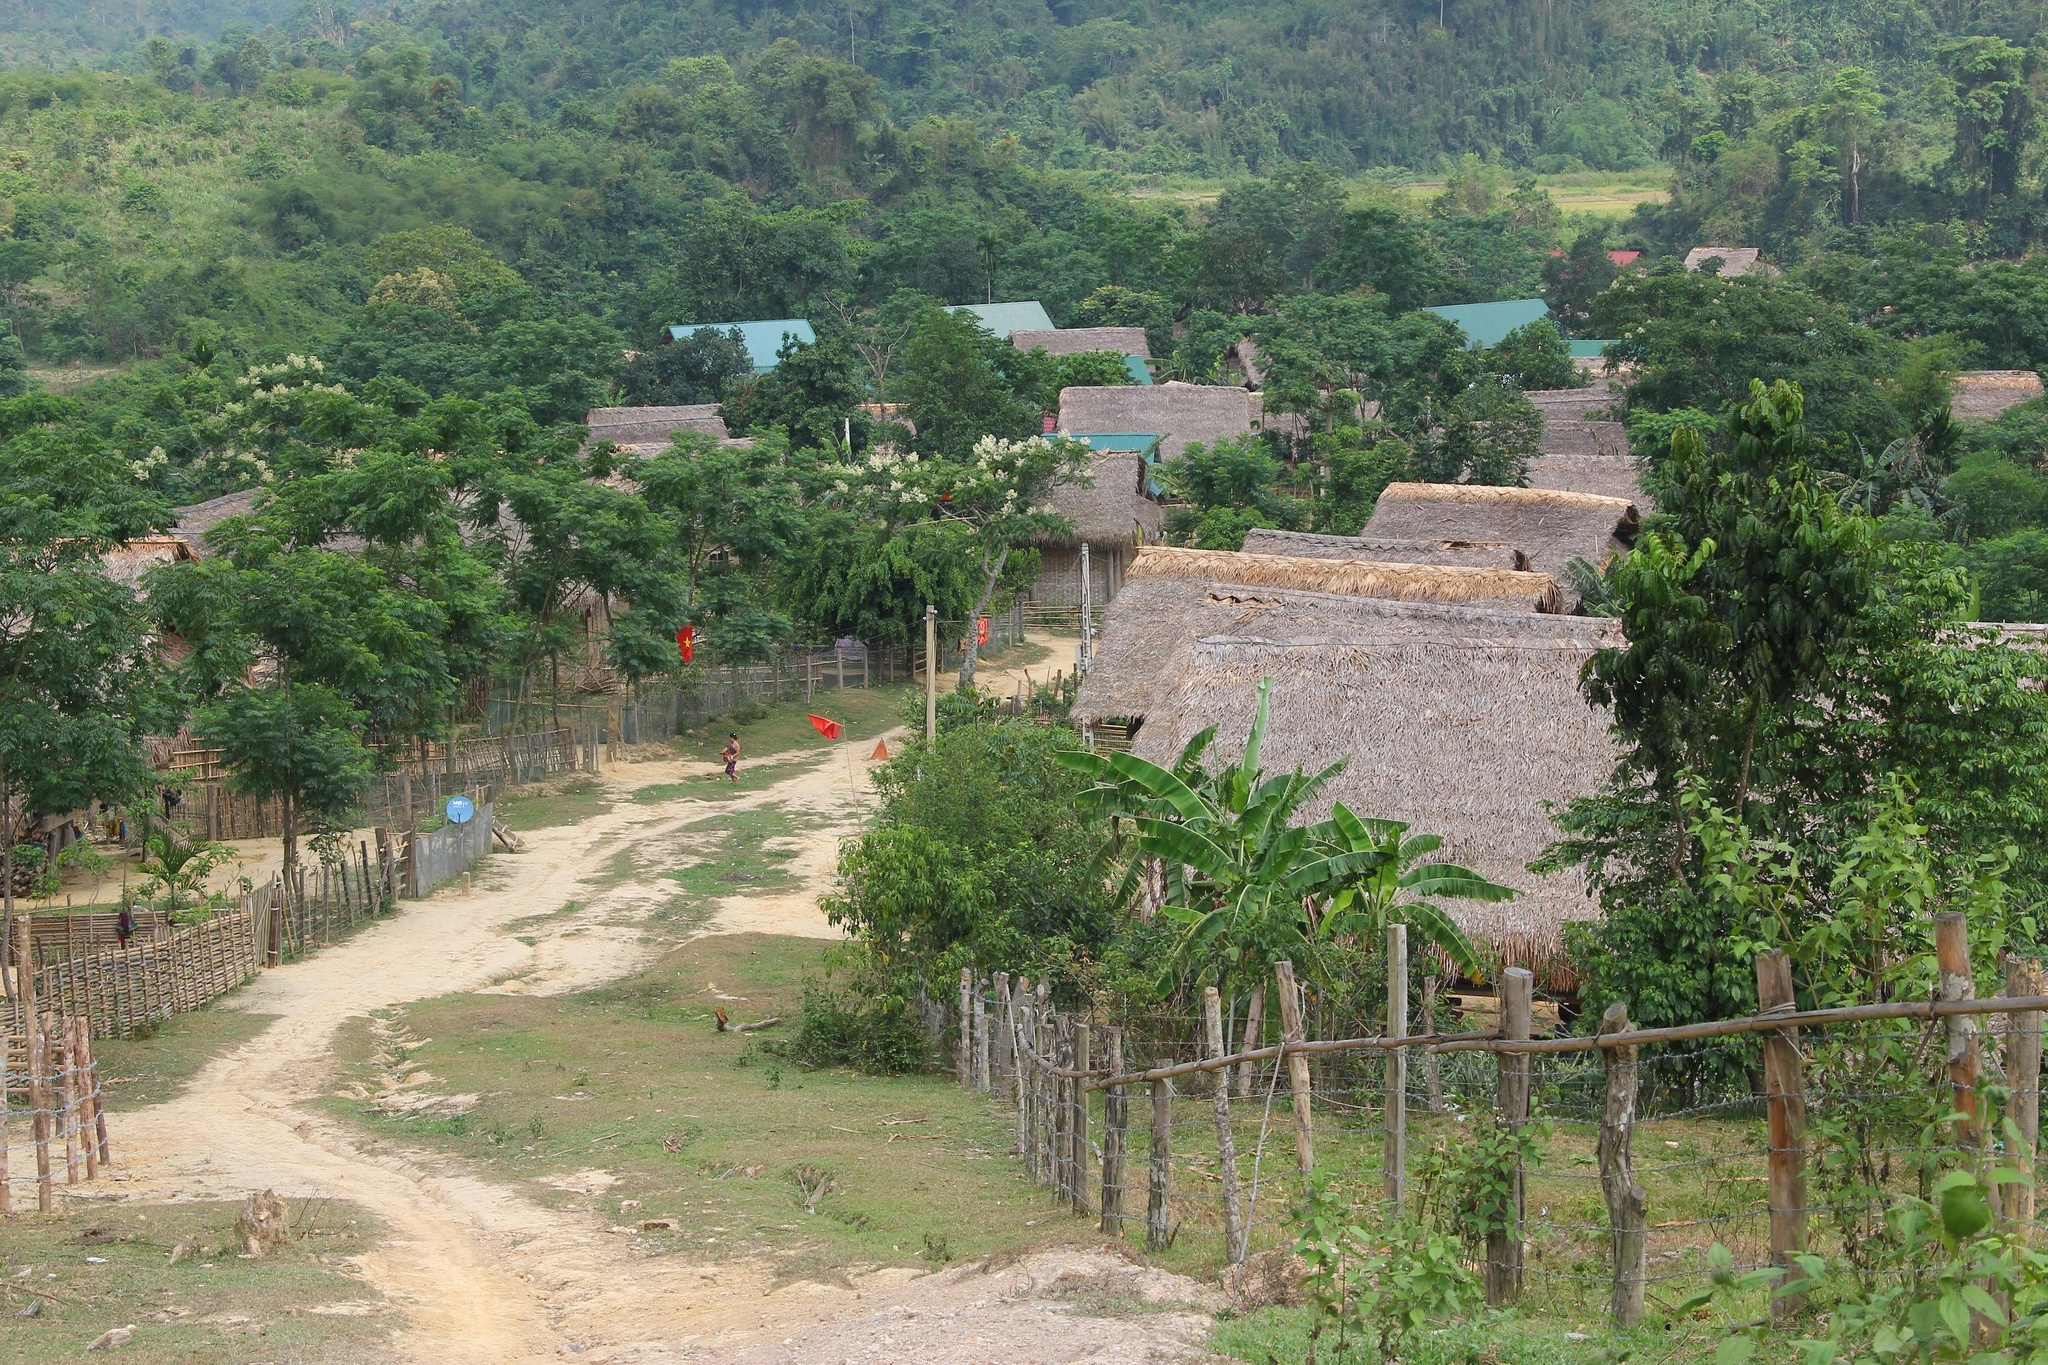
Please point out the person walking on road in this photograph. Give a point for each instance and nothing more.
(732, 759)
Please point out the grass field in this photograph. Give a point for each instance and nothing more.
(67, 1277)
(148, 1070)
(1601, 194)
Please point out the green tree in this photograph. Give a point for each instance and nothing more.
(959, 384)
(1488, 434)
(702, 367)
(1990, 86)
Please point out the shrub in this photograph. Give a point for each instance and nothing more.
(874, 1032)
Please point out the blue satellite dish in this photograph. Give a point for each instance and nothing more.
(460, 810)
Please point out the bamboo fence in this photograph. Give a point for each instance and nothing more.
(46, 1062)
(1099, 1126)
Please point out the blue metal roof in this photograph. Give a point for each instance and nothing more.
(1139, 371)
(1004, 318)
(762, 338)
(1119, 442)
(1486, 323)
(1589, 350)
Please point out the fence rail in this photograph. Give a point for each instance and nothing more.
(1629, 1129)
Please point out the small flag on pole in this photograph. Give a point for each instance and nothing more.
(881, 752)
(686, 643)
(828, 728)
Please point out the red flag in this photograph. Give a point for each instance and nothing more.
(686, 642)
(981, 631)
(828, 728)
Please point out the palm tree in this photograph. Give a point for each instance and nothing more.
(1250, 887)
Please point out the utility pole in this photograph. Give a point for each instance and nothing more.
(931, 673)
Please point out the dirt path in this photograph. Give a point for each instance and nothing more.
(484, 1274)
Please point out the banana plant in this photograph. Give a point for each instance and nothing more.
(1247, 884)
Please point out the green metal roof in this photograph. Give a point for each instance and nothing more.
(1139, 371)
(1589, 350)
(1027, 315)
(762, 338)
(1485, 324)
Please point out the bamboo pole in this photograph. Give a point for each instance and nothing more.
(1226, 1144)
(1785, 1105)
(67, 1097)
(2023, 1076)
(1394, 1148)
(38, 1098)
(1626, 1201)
(1504, 1246)
(1298, 1084)
(1116, 1120)
(1078, 1135)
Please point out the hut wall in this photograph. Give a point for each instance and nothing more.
(1059, 574)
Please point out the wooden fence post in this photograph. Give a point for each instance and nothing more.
(1952, 958)
(66, 1071)
(31, 1027)
(1254, 1031)
(6, 1066)
(99, 1108)
(1226, 1143)
(1511, 1101)
(1079, 1134)
(963, 1050)
(2023, 1075)
(1432, 1065)
(1056, 1149)
(1157, 1233)
(1002, 1059)
(1785, 1100)
(981, 1047)
(1020, 1080)
(1626, 1202)
(1394, 1147)
(1297, 1071)
(1116, 1122)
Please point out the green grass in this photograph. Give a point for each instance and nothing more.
(1280, 1336)
(104, 1267)
(866, 713)
(713, 786)
(142, 1071)
(567, 801)
(708, 1129)
(738, 862)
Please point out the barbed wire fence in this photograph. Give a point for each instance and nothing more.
(1628, 1152)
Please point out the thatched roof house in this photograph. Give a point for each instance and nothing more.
(1114, 515)
(1984, 394)
(126, 563)
(654, 425)
(1552, 527)
(196, 520)
(1735, 260)
(1454, 715)
(1080, 340)
(1177, 413)
(1472, 554)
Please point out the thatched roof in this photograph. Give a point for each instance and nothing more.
(197, 519)
(1573, 405)
(1607, 476)
(1984, 394)
(1475, 554)
(1550, 526)
(1114, 509)
(1504, 588)
(1460, 723)
(1178, 413)
(654, 425)
(1735, 260)
(1079, 340)
(127, 563)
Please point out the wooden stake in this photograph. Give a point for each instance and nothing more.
(963, 1049)
(1952, 958)
(1511, 1101)
(1626, 1202)
(2023, 1075)
(1785, 1104)
(1394, 1147)
(63, 1065)
(1226, 1143)
(1254, 1032)
(1297, 1070)
(1079, 1099)
(99, 1108)
(981, 1047)
(1116, 1122)
(6, 1065)
(1157, 1232)
(1021, 1077)
(38, 1061)
(1432, 1065)
(1003, 1058)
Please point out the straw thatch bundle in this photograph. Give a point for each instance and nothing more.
(1113, 508)
(1984, 394)
(1508, 588)
(1477, 554)
(1079, 340)
(1551, 526)
(1461, 723)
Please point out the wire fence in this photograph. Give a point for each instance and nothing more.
(1625, 1154)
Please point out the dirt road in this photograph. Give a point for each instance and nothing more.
(484, 1274)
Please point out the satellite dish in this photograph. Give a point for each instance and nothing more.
(460, 810)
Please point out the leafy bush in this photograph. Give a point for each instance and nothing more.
(875, 1032)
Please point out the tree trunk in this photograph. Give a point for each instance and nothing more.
(990, 576)
(289, 811)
